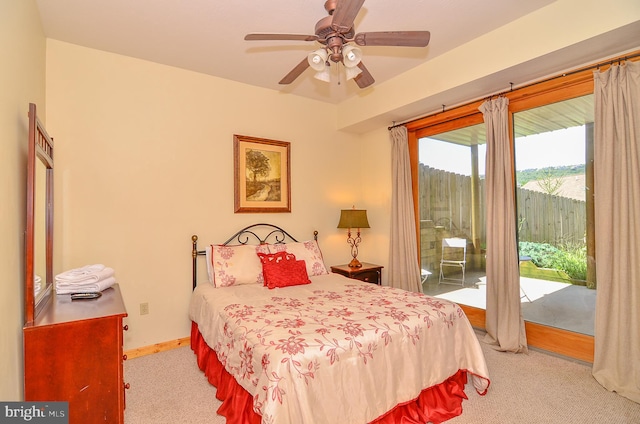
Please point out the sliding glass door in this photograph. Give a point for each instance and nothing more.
(553, 172)
(554, 195)
(553, 145)
(451, 206)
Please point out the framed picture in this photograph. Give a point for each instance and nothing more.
(262, 175)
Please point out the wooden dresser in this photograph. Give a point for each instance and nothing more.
(73, 353)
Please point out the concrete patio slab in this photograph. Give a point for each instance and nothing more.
(566, 306)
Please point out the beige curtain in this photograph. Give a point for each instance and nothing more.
(404, 270)
(616, 362)
(504, 323)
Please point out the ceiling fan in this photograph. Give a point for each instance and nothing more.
(335, 32)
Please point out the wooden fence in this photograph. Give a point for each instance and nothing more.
(446, 200)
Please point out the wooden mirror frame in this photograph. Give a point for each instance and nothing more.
(40, 149)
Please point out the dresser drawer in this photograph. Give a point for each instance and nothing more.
(369, 273)
(368, 276)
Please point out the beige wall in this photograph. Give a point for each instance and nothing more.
(22, 48)
(144, 160)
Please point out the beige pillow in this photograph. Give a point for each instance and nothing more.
(308, 251)
(237, 264)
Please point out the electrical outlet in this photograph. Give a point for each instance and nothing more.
(144, 308)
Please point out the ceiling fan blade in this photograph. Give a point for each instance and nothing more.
(345, 13)
(393, 38)
(364, 78)
(295, 72)
(292, 37)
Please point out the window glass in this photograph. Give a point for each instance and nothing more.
(451, 205)
(551, 156)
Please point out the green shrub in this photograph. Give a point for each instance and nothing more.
(570, 258)
(573, 261)
(541, 254)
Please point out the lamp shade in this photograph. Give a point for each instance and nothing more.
(351, 56)
(323, 75)
(317, 59)
(352, 72)
(353, 218)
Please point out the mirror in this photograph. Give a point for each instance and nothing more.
(39, 224)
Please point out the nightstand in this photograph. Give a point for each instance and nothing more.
(369, 273)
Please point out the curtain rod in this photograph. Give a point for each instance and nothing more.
(562, 75)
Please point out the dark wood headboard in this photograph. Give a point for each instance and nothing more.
(253, 234)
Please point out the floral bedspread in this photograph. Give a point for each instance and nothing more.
(336, 350)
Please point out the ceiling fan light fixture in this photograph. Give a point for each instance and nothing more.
(323, 75)
(351, 56)
(336, 33)
(318, 59)
(353, 72)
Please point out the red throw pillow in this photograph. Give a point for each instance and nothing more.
(282, 270)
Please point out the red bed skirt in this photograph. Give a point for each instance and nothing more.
(434, 404)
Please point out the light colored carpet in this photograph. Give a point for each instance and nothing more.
(168, 388)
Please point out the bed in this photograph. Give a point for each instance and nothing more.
(286, 342)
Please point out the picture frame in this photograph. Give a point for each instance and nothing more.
(262, 175)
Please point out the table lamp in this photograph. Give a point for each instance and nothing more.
(353, 218)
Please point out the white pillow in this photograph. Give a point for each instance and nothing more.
(308, 251)
(237, 264)
(208, 252)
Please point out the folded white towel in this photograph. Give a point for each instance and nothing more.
(90, 287)
(87, 276)
(81, 272)
(94, 279)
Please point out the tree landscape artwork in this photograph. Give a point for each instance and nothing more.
(262, 175)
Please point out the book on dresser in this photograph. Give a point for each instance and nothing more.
(73, 353)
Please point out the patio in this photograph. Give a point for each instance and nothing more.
(559, 305)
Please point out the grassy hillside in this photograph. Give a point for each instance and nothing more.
(524, 176)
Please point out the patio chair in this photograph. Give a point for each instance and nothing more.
(454, 254)
(425, 275)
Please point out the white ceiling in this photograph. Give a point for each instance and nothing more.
(207, 36)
